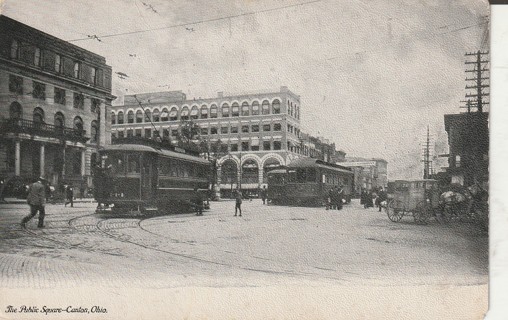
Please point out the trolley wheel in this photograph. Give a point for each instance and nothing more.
(423, 212)
(395, 210)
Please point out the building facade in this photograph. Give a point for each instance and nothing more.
(368, 173)
(468, 140)
(54, 106)
(260, 131)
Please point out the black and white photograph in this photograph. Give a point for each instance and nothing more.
(261, 159)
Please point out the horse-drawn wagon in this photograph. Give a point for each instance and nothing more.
(420, 198)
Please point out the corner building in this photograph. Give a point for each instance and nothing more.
(261, 130)
(54, 106)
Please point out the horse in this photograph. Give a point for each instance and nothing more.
(461, 201)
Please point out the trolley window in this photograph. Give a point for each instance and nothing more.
(275, 179)
(301, 175)
(116, 160)
(133, 163)
(311, 175)
(292, 176)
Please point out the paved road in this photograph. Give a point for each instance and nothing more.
(267, 246)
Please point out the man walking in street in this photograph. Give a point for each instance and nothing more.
(263, 194)
(199, 202)
(69, 192)
(340, 197)
(238, 202)
(36, 200)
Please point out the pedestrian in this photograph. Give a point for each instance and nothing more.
(263, 194)
(340, 197)
(238, 202)
(381, 198)
(331, 199)
(199, 202)
(82, 191)
(36, 199)
(69, 193)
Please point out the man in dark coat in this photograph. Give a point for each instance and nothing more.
(238, 202)
(69, 195)
(263, 194)
(36, 198)
(199, 201)
(339, 197)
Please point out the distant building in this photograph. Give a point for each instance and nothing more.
(259, 130)
(54, 106)
(468, 139)
(368, 173)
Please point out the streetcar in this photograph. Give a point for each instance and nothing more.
(144, 176)
(307, 181)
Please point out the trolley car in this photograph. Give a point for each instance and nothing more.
(307, 181)
(135, 176)
(417, 197)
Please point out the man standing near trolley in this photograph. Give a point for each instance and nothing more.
(36, 199)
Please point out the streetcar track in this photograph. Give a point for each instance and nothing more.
(195, 258)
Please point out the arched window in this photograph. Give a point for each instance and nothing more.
(255, 108)
(184, 115)
(213, 111)
(94, 131)
(14, 49)
(235, 110)
(245, 109)
(130, 117)
(156, 115)
(173, 114)
(148, 115)
(38, 115)
(120, 117)
(276, 106)
(194, 114)
(59, 120)
(139, 116)
(291, 109)
(78, 124)
(204, 112)
(265, 107)
(225, 110)
(164, 114)
(15, 111)
(250, 171)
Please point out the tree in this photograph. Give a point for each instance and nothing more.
(189, 132)
(213, 151)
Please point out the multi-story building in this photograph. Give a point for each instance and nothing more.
(468, 140)
(368, 173)
(54, 106)
(261, 130)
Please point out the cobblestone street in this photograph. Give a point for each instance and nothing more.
(268, 246)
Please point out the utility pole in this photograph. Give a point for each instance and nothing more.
(479, 75)
(427, 162)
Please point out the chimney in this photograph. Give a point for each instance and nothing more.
(284, 89)
(220, 94)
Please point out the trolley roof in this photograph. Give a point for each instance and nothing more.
(316, 163)
(161, 152)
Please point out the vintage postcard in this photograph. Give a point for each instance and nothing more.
(290, 159)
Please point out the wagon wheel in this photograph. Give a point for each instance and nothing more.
(395, 210)
(423, 212)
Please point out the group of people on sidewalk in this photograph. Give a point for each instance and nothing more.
(375, 197)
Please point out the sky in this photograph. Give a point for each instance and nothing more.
(371, 74)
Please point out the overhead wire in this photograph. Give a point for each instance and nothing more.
(197, 22)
